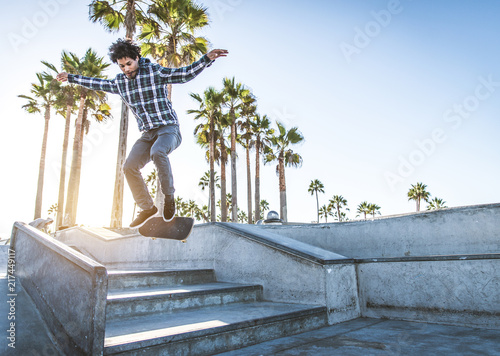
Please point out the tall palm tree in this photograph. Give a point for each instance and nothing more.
(65, 106)
(235, 95)
(316, 187)
(90, 65)
(115, 15)
(285, 157)
(44, 92)
(436, 204)
(248, 111)
(209, 109)
(364, 208)
(338, 202)
(418, 192)
(224, 149)
(261, 128)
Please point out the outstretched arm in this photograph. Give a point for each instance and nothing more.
(90, 83)
(185, 74)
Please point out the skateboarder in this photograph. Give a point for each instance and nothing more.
(143, 87)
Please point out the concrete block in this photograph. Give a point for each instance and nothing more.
(68, 289)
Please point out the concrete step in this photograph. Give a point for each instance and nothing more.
(210, 330)
(124, 279)
(143, 301)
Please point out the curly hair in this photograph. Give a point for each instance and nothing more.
(124, 48)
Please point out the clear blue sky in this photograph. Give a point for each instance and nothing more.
(386, 93)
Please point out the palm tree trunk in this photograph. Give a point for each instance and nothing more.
(282, 187)
(213, 214)
(223, 161)
(41, 168)
(257, 180)
(117, 207)
(234, 187)
(418, 204)
(62, 178)
(338, 212)
(74, 176)
(317, 206)
(249, 185)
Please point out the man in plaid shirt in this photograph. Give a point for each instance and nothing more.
(143, 87)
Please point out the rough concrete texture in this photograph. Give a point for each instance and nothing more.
(464, 230)
(381, 337)
(68, 289)
(463, 292)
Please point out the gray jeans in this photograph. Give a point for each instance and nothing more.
(153, 145)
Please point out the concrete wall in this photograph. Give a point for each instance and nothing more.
(464, 230)
(68, 289)
(288, 270)
(453, 291)
(433, 266)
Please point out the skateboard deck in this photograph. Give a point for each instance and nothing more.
(177, 229)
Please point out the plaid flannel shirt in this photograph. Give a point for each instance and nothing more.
(146, 94)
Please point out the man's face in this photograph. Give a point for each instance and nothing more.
(129, 66)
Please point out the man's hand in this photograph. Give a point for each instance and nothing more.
(62, 77)
(216, 53)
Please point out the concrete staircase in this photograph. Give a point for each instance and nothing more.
(187, 312)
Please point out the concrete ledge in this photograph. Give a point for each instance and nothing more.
(486, 256)
(68, 288)
(454, 231)
(286, 244)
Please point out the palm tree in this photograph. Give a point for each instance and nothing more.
(338, 202)
(115, 15)
(417, 192)
(373, 209)
(222, 123)
(44, 92)
(235, 95)
(202, 214)
(262, 133)
(285, 157)
(264, 206)
(90, 65)
(314, 187)
(248, 111)
(436, 204)
(209, 109)
(325, 211)
(242, 216)
(206, 181)
(364, 208)
(65, 106)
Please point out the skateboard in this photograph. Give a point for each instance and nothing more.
(178, 229)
